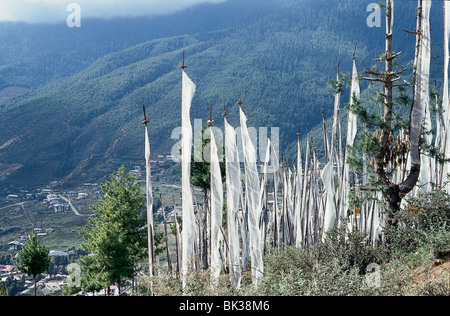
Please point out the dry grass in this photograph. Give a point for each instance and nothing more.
(432, 279)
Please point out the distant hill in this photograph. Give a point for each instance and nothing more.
(12, 92)
(82, 116)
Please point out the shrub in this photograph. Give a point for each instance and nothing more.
(350, 248)
(425, 222)
(435, 289)
(336, 267)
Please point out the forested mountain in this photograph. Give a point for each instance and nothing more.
(82, 116)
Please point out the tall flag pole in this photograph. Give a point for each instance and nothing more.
(233, 191)
(149, 195)
(252, 196)
(188, 232)
(423, 88)
(330, 207)
(352, 126)
(216, 206)
(298, 195)
(445, 99)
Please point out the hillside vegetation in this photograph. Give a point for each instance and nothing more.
(82, 118)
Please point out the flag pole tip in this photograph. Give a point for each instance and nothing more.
(183, 66)
(225, 114)
(145, 121)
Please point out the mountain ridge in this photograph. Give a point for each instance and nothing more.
(87, 124)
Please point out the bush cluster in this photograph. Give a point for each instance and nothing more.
(341, 264)
(424, 223)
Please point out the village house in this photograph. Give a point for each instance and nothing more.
(136, 172)
(15, 245)
(23, 238)
(61, 207)
(57, 253)
(82, 195)
(13, 198)
(6, 269)
(54, 184)
(53, 203)
(46, 191)
(90, 185)
(51, 197)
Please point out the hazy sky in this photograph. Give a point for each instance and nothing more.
(51, 11)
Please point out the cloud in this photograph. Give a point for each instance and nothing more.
(53, 11)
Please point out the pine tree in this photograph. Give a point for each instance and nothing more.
(115, 237)
(384, 144)
(33, 258)
(201, 178)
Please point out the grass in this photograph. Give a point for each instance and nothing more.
(298, 272)
(416, 262)
(34, 214)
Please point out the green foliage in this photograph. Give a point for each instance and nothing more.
(423, 223)
(159, 238)
(435, 289)
(282, 57)
(115, 237)
(201, 170)
(12, 286)
(339, 265)
(3, 291)
(33, 258)
(336, 267)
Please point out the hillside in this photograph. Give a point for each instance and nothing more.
(82, 117)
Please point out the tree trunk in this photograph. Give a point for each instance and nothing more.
(177, 243)
(169, 259)
(393, 190)
(205, 229)
(397, 192)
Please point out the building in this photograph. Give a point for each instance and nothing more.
(6, 269)
(46, 191)
(13, 198)
(15, 245)
(136, 172)
(54, 184)
(61, 207)
(23, 238)
(56, 253)
(82, 195)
